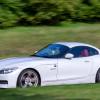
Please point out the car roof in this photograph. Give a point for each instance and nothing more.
(73, 44)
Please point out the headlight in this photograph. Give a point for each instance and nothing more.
(8, 70)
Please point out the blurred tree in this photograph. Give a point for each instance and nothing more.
(88, 10)
(47, 12)
(10, 12)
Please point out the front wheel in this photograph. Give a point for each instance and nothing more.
(28, 78)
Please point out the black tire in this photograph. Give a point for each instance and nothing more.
(28, 78)
(98, 76)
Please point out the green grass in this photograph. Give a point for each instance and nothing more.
(23, 41)
(65, 92)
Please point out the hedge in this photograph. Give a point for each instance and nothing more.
(47, 12)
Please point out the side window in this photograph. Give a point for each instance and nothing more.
(58, 51)
(83, 51)
(92, 51)
(79, 51)
(53, 51)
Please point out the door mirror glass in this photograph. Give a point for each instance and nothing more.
(69, 56)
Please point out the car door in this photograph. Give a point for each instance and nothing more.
(52, 53)
(49, 71)
(75, 68)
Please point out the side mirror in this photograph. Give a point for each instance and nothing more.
(69, 56)
(35, 51)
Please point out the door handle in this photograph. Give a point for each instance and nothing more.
(55, 65)
(86, 61)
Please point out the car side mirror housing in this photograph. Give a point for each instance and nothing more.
(35, 51)
(69, 56)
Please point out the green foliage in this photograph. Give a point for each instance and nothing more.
(89, 10)
(10, 12)
(47, 12)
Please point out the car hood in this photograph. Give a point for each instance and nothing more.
(17, 60)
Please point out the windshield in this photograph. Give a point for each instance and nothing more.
(53, 51)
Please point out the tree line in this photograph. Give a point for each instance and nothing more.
(47, 12)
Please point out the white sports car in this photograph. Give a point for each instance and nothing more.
(58, 63)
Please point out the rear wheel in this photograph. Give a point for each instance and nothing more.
(28, 78)
(98, 76)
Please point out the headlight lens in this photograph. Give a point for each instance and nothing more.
(8, 70)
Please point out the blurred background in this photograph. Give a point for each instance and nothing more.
(28, 25)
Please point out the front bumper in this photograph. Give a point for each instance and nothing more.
(9, 80)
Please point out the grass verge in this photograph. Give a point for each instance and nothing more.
(65, 92)
(20, 41)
